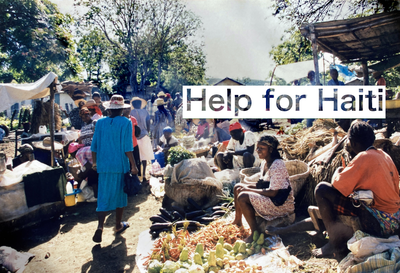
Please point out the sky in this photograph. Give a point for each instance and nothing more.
(238, 35)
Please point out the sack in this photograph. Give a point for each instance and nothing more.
(281, 196)
(365, 196)
(132, 184)
(138, 131)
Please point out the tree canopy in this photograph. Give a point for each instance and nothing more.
(145, 35)
(35, 39)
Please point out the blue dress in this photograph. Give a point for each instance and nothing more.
(111, 139)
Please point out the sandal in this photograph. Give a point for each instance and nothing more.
(125, 225)
(97, 236)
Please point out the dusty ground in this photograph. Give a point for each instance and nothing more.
(64, 243)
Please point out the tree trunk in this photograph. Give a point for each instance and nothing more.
(132, 79)
(159, 76)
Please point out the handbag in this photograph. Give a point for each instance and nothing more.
(365, 196)
(261, 184)
(132, 184)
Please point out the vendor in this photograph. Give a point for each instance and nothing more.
(26, 154)
(267, 193)
(94, 109)
(203, 129)
(43, 151)
(241, 152)
(167, 140)
(371, 169)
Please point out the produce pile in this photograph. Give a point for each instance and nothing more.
(217, 247)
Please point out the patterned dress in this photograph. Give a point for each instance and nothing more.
(111, 139)
(279, 179)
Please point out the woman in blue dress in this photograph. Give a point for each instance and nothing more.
(112, 157)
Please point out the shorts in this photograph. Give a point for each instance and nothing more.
(369, 224)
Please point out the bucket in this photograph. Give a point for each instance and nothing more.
(159, 156)
(70, 200)
(42, 129)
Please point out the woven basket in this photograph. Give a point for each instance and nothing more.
(298, 173)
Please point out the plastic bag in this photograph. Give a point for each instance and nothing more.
(132, 184)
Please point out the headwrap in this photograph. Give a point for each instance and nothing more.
(168, 95)
(167, 130)
(74, 146)
(84, 111)
(96, 108)
(235, 126)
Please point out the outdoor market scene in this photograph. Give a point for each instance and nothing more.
(102, 171)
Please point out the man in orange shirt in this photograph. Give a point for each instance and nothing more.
(371, 169)
(135, 134)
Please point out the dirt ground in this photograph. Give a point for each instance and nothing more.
(64, 243)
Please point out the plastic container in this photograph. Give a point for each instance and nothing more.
(159, 157)
(70, 187)
(42, 129)
(70, 200)
(79, 196)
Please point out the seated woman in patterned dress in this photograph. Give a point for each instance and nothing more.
(267, 194)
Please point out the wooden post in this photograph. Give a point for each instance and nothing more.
(272, 76)
(52, 92)
(365, 72)
(315, 53)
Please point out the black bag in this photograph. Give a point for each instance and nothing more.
(132, 184)
(261, 184)
(138, 131)
(281, 196)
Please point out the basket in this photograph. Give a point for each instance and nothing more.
(298, 173)
(202, 152)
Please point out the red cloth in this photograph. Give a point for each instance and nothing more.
(235, 126)
(134, 122)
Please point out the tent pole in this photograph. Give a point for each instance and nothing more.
(272, 76)
(315, 54)
(52, 92)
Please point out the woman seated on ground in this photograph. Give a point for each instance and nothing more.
(167, 140)
(202, 129)
(268, 193)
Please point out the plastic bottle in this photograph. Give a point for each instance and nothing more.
(75, 185)
(70, 188)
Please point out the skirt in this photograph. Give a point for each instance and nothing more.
(111, 193)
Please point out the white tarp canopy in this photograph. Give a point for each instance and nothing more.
(11, 93)
(291, 72)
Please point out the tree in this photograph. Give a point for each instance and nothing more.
(298, 12)
(34, 39)
(295, 49)
(186, 67)
(143, 32)
(94, 51)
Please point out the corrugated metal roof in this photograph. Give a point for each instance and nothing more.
(369, 38)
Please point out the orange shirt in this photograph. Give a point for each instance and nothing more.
(134, 139)
(372, 170)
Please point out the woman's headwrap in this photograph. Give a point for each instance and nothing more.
(235, 126)
(96, 108)
(167, 130)
(84, 111)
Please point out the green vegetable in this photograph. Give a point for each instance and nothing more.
(256, 234)
(200, 249)
(237, 245)
(257, 249)
(184, 256)
(178, 153)
(240, 256)
(182, 270)
(197, 259)
(214, 269)
(219, 251)
(228, 246)
(220, 262)
(221, 240)
(212, 259)
(169, 267)
(242, 247)
(249, 252)
(154, 266)
(260, 240)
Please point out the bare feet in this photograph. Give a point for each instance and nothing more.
(325, 251)
(236, 222)
(249, 239)
(273, 230)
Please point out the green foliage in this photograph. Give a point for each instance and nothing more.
(6, 121)
(292, 50)
(34, 40)
(178, 153)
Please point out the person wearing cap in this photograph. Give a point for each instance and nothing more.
(87, 130)
(241, 152)
(167, 141)
(97, 98)
(94, 109)
(144, 141)
(112, 157)
(162, 119)
(135, 133)
(26, 154)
